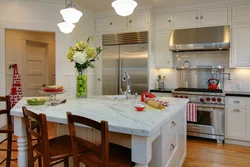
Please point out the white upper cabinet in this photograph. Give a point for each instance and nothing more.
(111, 23)
(163, 57)
(214, 16)
(185, 19)
(241, 13)
(163, 21)
(138, 21)
(240, 53)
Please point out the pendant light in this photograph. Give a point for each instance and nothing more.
(124, 7)
(71, 14)
(66, 27)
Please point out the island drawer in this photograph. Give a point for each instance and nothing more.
(170, 149)
(170, 129)
(237, 101)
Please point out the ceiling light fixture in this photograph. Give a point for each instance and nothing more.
(71, 14)
(124, 7)
(66, 27)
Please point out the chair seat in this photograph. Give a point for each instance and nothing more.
(119, 156)
(7, 129)
(60, 147)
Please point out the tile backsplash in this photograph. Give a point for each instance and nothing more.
(239, 79)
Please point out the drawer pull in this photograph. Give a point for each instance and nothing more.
(236, 110)
(173, 124)
(236, 101)
(172, 147)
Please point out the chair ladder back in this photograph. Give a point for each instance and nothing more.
(42, 137)
(103, 150)
(105, 142)
(6, 99)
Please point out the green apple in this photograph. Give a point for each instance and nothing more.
(79, 77)
(83, 94)
(79, 82)
(84, 78)
(78, 94)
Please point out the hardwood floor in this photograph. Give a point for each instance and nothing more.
(200, 153)
(206, 153)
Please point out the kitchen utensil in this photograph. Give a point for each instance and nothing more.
(212, 85)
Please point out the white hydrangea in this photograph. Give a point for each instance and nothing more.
(80, 57)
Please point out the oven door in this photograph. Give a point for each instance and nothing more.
(210, 120)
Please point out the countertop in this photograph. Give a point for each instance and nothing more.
(119, 113)
(169, 90)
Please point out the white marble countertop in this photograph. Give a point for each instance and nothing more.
(120, 114)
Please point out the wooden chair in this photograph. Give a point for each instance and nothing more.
(104, 155)
(56, 150)
(9, 130)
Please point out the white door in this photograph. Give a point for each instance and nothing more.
(163, 21)
(214, 16)
(240, 53)
(163, 56)
(240, 13)
(186, 19)
(34, 67)
(138, 21)
(236, 121)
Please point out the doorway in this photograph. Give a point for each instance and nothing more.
(34, 53)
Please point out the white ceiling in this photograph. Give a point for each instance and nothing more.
(105, 5)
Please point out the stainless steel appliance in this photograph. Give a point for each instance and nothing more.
(208, 38)
(127, 52)
(210, 112)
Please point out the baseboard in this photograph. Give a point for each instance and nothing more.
(237, 142)
(183, 159)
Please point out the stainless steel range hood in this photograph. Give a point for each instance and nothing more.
(200, 39)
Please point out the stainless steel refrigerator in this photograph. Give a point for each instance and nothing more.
(119, 57)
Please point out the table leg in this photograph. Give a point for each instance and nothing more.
(19, 131)
(141, 150)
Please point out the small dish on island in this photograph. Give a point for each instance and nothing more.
(53, 89)
(139, 107)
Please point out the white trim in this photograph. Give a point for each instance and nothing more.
(237, 142)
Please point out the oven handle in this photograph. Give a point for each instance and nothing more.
(204, 106)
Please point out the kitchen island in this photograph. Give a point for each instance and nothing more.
(157, 138)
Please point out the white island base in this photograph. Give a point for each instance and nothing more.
(157, 138)
(165, 148)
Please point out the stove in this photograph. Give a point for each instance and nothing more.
(210, 112)
(200, 95)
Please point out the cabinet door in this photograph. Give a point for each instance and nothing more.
(186, 19)
(214, 16)
(240, 13)
(248, 120)
(111, 23)
(240, 53)
(138, 21)
(163, 21)
(236, 122)
(98, 68)
(163, 57)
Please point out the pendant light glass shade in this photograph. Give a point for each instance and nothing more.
(71, 15)
(66, 27)
(124, 7)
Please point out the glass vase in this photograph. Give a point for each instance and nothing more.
(81, 83)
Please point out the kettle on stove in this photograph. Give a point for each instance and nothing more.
(213, 84)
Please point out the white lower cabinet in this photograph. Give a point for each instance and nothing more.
(237, 118)
(236, 122)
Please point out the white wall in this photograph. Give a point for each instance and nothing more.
(43, 15)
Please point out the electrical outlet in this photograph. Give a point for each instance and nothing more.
(238, 85)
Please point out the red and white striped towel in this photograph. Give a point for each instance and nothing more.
(191, 112)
